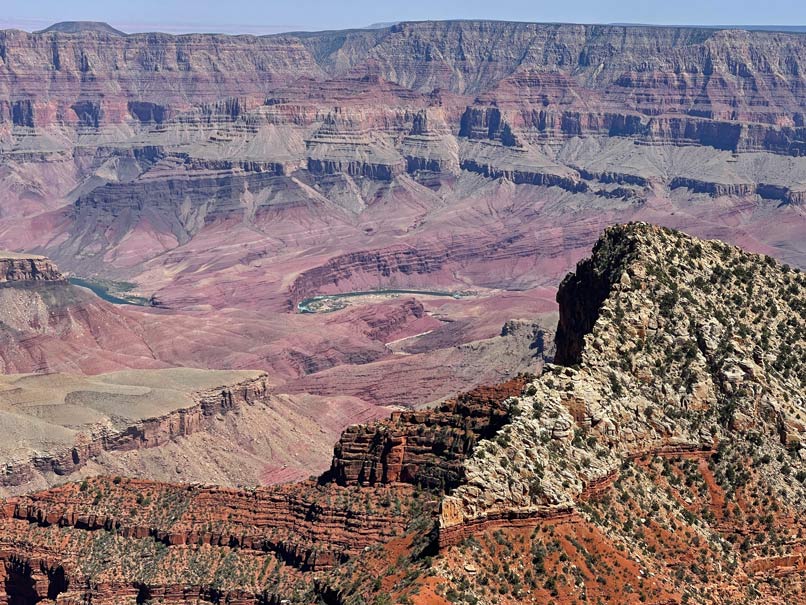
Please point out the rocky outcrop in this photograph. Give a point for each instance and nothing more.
(487, 123)
(340, 146)
(31, 578)
(16, 269)
(430, 146)
(381, 327)
(183, 195)
(425, 448)
(301, 528)
(662, 351)
(582, 293)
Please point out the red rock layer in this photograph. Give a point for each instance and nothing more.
(308, 525)
(19, 270)
(426, 447)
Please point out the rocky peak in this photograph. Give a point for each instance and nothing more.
(676, 344)
(582, 294)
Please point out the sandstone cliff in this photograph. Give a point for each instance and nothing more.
(21, 268)
(424, 448)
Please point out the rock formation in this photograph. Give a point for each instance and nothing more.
(425, 448)
(17, 269)
(667, 345)
(48, 324)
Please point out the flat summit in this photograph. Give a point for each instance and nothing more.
(80, 27)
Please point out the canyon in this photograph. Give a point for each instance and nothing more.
(72, 418)
(225, 179)
(500, 427)
(661, 462)
(231, 177)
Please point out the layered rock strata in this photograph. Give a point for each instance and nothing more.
(425, 448)
(110, 413)
(17, 269)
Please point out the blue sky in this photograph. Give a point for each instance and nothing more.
(268, 16)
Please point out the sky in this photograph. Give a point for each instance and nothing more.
(271, 16)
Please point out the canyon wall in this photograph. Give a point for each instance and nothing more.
(192, 412)
(20, 268)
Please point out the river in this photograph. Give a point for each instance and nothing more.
(304, 306)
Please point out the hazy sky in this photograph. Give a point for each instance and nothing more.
(267, 16)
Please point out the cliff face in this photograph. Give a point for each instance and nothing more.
(706, 67)
(261, 541)
(155, 414)
(19, 268)
(310, 527)
(304, 529)
(519, 82)
(664, 465)
(425, 448)
(72, 65)
(583, 292)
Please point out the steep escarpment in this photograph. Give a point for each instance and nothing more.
(583, 292)
(64, 422)
(22, 268)
(311, 527)
(275, 542)
(646, 470)
(261, 542)
(467, 56)
(183, 195)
